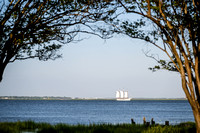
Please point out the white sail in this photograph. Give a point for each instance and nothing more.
(125, 94)
(121, 94)
(117, 94)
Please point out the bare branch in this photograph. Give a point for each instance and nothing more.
(150, 56)
(30, 57)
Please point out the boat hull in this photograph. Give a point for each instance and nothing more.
(123, 99)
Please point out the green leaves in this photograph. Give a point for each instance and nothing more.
(48, 52)
(163, 64)
(135, 30)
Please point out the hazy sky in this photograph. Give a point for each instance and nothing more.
(93, 68)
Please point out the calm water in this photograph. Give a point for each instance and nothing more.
(95, 111)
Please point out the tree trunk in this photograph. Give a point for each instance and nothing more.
(197, 119)
(2, 68)
(192, 99)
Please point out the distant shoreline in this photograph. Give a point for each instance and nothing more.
(69, 98)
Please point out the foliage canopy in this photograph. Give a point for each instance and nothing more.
(38, 29)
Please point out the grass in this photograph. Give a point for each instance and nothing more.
(33, 127)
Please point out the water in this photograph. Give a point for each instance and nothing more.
(95, 111)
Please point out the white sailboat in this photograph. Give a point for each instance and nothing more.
(122, 96)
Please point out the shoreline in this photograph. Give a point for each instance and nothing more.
(77, 98)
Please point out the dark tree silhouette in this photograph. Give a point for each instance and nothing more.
(38, 29)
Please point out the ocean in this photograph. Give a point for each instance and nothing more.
(95, 111)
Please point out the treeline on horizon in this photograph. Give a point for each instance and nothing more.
(76, 98)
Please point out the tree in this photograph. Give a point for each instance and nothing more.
(38, 29)
(175, 29)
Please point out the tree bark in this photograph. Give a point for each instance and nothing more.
(193, 103)
(196, 113)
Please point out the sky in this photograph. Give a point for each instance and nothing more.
(94, 68)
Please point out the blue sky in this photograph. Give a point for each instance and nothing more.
(93, 68)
